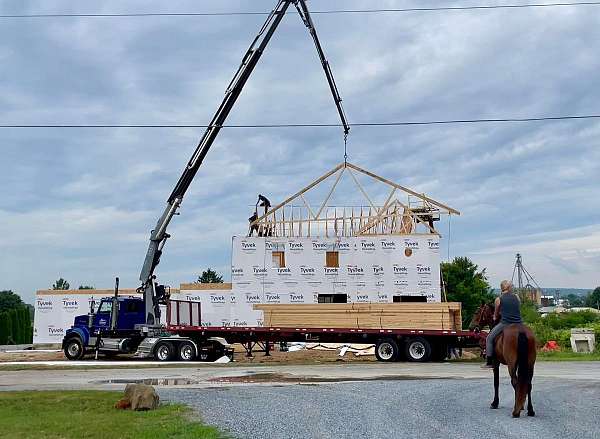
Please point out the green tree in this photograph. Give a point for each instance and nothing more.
(210, 276)
(86, 287)
(61, 284)
(575, 299)
(5, 327)
(9, 300)
(529, 312)
(467, 284)
(593, 299)
(15, 329)
(27, 328)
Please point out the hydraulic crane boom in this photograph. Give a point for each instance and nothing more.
(154, 294)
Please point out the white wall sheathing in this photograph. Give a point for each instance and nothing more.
(373, 269)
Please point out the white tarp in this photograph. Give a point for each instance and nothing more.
(370, 270)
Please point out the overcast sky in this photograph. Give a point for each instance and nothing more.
(79, 203)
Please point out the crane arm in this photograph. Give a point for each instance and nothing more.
(154, 294)
(307, 19)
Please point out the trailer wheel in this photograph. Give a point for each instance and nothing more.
(418, 349)
(73, 349)
(386, 349)
(187, 351)
(164, 351)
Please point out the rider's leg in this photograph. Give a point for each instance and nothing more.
(489, 342)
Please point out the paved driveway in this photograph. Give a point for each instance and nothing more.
(420, 409)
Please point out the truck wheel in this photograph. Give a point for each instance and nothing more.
(74, 349)
(187, 351)
(163, 351)
(418, 349)
(386, 349)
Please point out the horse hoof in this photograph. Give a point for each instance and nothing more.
(516, 415)
(531, 413)
(494, 405)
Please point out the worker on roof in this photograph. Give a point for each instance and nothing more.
(507, 309)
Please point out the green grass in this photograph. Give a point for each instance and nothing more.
(567, 356)
(90, 415)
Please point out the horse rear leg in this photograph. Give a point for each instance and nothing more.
(530, 411)
(512, 371)
(495, 402)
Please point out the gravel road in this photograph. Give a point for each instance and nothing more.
(423, 409)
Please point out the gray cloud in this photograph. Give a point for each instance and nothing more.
(79, 203)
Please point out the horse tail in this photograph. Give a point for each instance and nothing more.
(522, 360)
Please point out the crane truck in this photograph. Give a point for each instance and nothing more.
(132, 325)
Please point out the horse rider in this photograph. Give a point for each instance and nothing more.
(507, 308)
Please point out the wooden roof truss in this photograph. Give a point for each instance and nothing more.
(404, 211)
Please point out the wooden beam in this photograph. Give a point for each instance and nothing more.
(405, 189)
(330, 192)
(380, 214)
(302, 191)
(362, 190)
(307, 206)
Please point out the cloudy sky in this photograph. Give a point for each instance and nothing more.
(79, 203)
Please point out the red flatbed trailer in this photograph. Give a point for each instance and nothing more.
(184, 319)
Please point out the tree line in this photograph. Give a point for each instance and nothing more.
(15, 319)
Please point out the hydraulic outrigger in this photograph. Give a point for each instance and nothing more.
(153, 293)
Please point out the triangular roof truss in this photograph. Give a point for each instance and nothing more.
(404, 212)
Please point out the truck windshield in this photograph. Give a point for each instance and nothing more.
(105, 307)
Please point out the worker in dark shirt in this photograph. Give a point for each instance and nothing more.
(508, 310)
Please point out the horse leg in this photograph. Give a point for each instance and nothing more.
(512, 370)
(495, 402)
(530, 411)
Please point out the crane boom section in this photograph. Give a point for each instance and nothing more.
(153, 293)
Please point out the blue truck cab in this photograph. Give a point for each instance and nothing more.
(118, 326)
(114, 326)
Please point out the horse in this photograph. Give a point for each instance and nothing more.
(515, 347)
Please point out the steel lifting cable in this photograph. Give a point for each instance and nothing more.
(345, 149)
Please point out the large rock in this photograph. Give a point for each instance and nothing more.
(138, 397)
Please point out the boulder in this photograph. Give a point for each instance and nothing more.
(138, 397)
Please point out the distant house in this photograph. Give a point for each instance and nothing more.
(547, 301)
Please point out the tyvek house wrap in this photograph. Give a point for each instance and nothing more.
(371, 269)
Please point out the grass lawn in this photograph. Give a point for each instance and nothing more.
(568, 356)
(546, 356)
(90, 414)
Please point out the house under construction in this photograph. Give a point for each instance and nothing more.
(302, 252)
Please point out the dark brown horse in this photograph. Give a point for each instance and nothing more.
(515, 348)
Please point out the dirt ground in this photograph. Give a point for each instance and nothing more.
(31, 356)
(312, 356)
(304, 356)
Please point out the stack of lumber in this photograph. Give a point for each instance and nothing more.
(446, 316)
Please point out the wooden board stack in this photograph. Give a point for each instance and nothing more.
(444, 316)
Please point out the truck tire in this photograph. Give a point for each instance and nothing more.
(73, 348)
(418, 349)
(164, 351)
(386, 349)
(187, 351)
